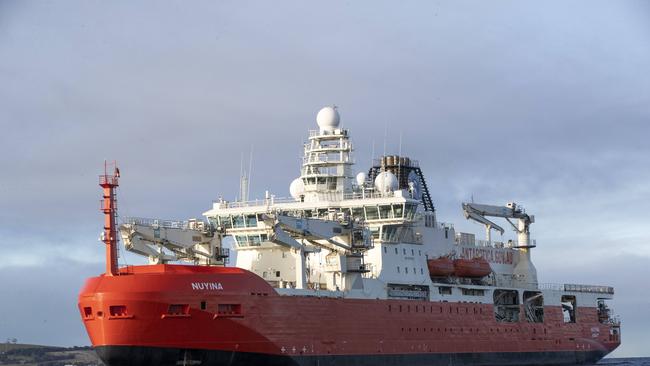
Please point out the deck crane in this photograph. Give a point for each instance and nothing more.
(511, 210)
(524, 272)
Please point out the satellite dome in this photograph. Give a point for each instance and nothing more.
(297, 188)
(328, 119)
(361, 179)
(386, 182)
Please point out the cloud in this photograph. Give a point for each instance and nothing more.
(543, 104)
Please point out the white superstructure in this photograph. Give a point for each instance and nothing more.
(365, 235)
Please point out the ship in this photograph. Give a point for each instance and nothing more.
(350, 269)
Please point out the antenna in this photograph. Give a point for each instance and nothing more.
(385, 134)
(400, 143)
(250, 173)
(241, 178)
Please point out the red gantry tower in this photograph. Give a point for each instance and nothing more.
(109, 207)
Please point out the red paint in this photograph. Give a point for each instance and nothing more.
(249, 316)
(109, 208)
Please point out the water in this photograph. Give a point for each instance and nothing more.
(637, 361)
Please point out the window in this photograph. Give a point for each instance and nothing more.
(238, 221)
(178, 309)
(406, 270)
(389, 233)
(444, 290)
(421, 271)
(398, 269)
(398, 210)
(472, 292)
(410, 211)
(357, 213)
(277, 273)
(374, 231)
(229, 310)
(413, 252)
(372, 213)
(251, 220)
(242, 240)
(254, 240)
(204, 305)
(396, 250)
(386, 212)
(225, 222)
(385, 250)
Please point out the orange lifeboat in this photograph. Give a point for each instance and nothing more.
(440, 267)
(472, 268)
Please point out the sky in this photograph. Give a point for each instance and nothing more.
(545, 103)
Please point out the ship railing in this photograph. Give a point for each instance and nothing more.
(411, 162)
(589, 288)
(325, 196)
(336, 132)
(568, 287)
(170, 224)
(108, 179)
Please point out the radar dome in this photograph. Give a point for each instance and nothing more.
(297, 188)
(328, 119)
(361, 179)
(386, 182)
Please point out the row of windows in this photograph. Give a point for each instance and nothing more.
(238, 221)
(403, 251)
(473, 330)
(439, 309)
(406, 270)
(254, 240)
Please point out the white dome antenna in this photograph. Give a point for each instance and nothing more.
(297, 188)
(328, 119)
(361, 179)
(386, 182)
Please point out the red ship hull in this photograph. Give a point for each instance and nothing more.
(192, 315)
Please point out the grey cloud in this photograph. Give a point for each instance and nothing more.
(542, 103)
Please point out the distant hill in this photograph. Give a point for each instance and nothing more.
(37, 355)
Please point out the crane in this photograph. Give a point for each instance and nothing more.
(511, 210)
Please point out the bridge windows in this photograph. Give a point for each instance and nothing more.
(398, 210)
(410, 211)
(251, 220)
(254, 240)
(385, 212)
(372, 213)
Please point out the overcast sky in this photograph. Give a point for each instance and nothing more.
(546, 103)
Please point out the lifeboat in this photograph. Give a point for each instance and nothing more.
(472, 268)
(440, 267)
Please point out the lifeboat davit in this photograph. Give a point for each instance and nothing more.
(472, 268)
(440, 267)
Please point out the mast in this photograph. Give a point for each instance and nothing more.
(109, 182)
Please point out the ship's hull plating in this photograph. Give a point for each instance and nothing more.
(137, 356)
(180, 315)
